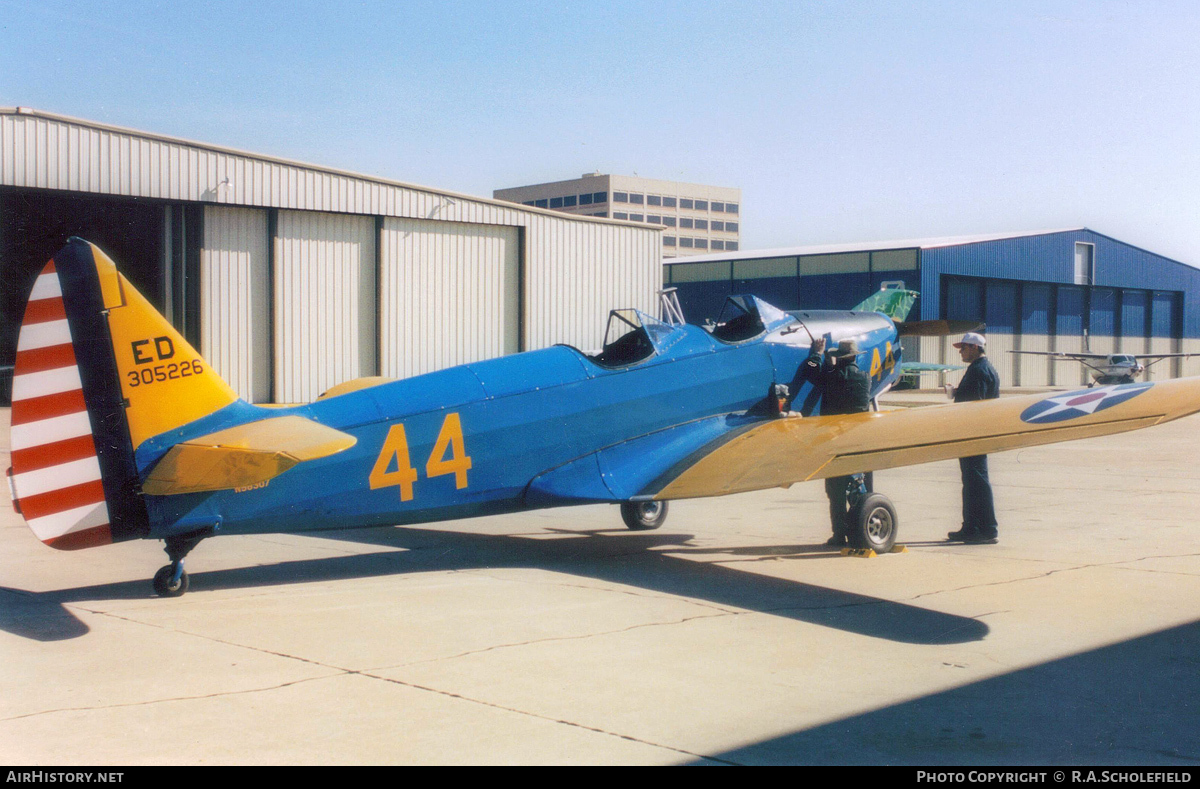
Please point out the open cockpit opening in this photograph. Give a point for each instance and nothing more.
(739, 320)
(631, 336)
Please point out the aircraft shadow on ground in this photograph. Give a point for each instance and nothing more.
(633, 559)
(1131, 703)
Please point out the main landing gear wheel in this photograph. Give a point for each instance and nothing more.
(643, 515)
(167, 585)
(873, 524)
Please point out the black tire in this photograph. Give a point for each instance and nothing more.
(163, 586)
(643, 515)
(873, 524)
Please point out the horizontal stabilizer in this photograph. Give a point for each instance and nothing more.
(929, 367)
(242, 456)
(938, 328)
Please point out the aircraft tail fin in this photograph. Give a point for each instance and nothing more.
(895, 303)
(98, 372)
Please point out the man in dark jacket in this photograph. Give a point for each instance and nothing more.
(979, 382)
(845, 389)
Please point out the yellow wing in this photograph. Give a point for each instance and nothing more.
(243, 455)
(793, 449)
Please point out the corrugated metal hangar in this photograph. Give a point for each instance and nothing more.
(291, 278)
(1036, 292)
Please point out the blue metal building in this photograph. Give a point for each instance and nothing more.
(1060, 290)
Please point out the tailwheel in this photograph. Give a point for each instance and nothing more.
(643, 515)
(873, 524)
(171, 581)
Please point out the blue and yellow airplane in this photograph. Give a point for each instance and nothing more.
(120, 430)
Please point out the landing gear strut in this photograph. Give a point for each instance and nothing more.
(171, 580)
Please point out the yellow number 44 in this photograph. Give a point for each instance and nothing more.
(451, 438)
(395, 447)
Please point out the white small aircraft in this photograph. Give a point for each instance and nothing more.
(1111, 368)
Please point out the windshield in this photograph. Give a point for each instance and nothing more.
(745, 317)
(631, 336)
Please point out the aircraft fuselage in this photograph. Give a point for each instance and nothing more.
(511, 433)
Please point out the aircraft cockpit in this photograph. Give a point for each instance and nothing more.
(631, 336)
(746, 317)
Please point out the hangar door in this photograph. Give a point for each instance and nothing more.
(449, 293)
(324, 302)
(235, 313)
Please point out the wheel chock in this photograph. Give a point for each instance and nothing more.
(867, 553)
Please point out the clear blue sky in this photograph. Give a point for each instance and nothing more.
(840, 121)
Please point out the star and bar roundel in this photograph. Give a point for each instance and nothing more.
(1081, 402)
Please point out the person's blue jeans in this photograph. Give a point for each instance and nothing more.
(979, 510)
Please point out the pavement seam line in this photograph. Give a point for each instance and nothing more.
(527, 713)
(341, 672)
(1048, 573)
(150, 702)
(553, 639)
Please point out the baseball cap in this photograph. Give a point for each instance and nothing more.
(972, 338)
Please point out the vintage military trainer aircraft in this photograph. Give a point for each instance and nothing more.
(120, 430)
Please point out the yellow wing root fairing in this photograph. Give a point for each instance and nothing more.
(243, 456)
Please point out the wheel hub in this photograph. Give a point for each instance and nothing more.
(879, 525)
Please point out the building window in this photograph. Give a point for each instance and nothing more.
(668, 241)
(528, 202)
(556, 202)
(701, 243)
(701, 205)
(601, 213)
(718, 245)
(620, 215)
(718, 225)
(731, 227)
(668, 202)
(585, 199)
(569, 201)
(620, 197)
(653, 200)
(685, 203)
(685, 222)
(702, 224)
(730, 245)
(637, 199)
(731, 208)
(637, 218)
(669, 221)
(654, 220)
(541, 203)
(685, 242)
(718, 206)
(600, 197)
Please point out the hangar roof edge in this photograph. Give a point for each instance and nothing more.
(52, 116)
(917, 243)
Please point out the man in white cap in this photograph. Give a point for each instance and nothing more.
(979, 382)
